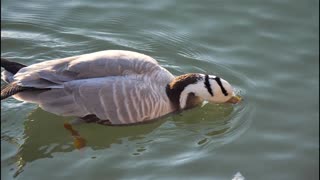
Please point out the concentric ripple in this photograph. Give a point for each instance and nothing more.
(268, 50)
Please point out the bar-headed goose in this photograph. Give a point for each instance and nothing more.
(111, 87)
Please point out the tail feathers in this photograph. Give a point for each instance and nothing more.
(12, 67)
(11, 89)
(7, 76)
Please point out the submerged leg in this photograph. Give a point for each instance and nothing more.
(79, 142)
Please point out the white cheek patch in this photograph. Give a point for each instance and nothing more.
(198, 89)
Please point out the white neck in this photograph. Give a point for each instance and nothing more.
(198, 89)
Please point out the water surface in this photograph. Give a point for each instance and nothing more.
(268, 50)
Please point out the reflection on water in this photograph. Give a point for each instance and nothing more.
(45, 135)
(266, 49)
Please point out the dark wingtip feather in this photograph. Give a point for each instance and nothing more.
(11, 66)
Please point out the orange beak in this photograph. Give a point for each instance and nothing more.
(234, 99)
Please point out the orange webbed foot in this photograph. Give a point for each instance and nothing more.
(79, 142)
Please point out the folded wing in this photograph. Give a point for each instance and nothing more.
(122, 100)
(52, 74)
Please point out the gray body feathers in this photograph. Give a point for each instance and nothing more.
(120, 86)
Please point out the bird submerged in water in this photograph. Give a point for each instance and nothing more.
(112, 87)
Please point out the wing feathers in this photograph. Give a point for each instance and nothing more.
(94, 65)
(121, 100)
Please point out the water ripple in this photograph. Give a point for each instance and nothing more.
(267, 50)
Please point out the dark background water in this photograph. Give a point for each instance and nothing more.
(268, 50)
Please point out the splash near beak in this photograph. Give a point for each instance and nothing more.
(234, 99)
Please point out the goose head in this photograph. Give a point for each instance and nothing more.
(191, 89)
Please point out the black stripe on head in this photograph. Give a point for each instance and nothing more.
(207, 84)
(221, 86)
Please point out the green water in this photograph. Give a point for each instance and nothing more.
(268, 50)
